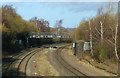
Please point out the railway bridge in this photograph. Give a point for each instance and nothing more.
(36, 39)
(46, 35)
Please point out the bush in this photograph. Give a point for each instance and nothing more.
(102, 52)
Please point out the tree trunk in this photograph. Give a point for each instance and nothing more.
(91, 47)
(118, 29)
(116, 53)
(101, 25)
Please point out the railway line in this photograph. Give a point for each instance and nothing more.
(18, 67)
(66, 65)
(23, 63)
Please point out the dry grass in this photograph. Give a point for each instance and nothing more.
(44, 67)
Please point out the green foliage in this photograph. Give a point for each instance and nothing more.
(102, 52)
(14, 28)
(82, 31)
(102, 25)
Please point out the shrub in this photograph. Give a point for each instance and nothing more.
(102, 52)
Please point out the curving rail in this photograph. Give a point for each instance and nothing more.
(66, 65)
(18, 67)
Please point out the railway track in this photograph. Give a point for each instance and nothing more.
(18, 67)
(66, 65)
(23, 64)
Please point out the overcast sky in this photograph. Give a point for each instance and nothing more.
(71, 12)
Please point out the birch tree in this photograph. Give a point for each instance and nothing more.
(90, 37)
(114, 29)
(116, 33)
(116, 38)
(99, 28)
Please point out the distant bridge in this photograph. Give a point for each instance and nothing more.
(46, 35)
(38, 39)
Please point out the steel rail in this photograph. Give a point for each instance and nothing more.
(21, 71)
(73, 70)
(14, 68)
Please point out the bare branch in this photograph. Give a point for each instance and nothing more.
(111, 42)
(96, 35)
(97, 30)
(95, 38)
(111, 29)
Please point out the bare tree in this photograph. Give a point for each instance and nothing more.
(58, 26)
(101, 17)
(114, 30)
(41, 24)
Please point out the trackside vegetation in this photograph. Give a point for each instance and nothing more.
(102, 31)
(14, 28)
